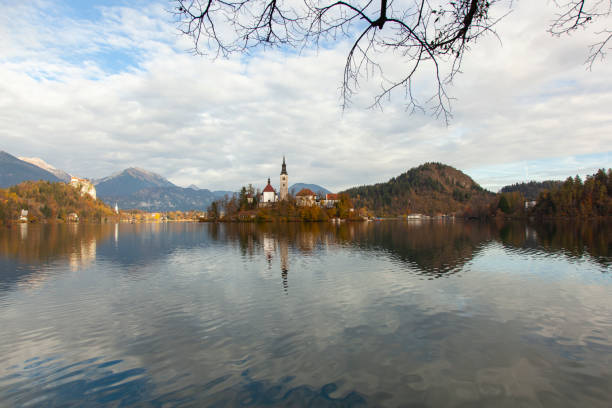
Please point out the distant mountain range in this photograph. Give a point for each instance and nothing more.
(158, 199)
(144, 190)
(295, 188)
(14, 171)
(131, 188)
(60, 174)
(129, 181)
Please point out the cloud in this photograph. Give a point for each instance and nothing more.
(96, 94)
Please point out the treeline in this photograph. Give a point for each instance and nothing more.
(531, 190)
(432, 188)
(435, 188)
(569, 199)
(49, 202)
(575, 198)
(244, 206)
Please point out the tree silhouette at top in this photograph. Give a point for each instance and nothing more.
(430, 36)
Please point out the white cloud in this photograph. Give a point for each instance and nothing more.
(93, 97)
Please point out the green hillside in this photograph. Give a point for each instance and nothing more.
(431, 188)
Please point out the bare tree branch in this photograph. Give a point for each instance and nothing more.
(423, 33)
(577, 14)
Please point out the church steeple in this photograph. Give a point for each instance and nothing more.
(284, 167)
(284, 182)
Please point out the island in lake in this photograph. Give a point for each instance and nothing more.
(429, 190)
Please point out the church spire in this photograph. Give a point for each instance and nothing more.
(284, 167)
(284, 182)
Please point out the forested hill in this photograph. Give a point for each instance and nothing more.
(532, 190)
(431, 188)
(46, 201)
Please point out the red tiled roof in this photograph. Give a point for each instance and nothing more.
(269, 189)
(331, 196)
(305, 192)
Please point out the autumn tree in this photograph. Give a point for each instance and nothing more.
(243, 201)
(575, 198)
(213, 211)
(424, 36)
(511, 203)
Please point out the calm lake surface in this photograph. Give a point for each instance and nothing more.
(386, 313)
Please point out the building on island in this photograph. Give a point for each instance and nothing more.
(330, 200)
(24, 216)
(84, 186)
(306, 198)
(268, 197)
(284, 182)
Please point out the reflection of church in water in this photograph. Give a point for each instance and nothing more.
(269, 247)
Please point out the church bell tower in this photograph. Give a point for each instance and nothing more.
(284, 182)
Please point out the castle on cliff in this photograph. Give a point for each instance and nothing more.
(84, 186)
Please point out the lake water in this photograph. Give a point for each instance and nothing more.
(388, 313)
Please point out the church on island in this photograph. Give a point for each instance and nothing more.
(304, 197)
(269, 196)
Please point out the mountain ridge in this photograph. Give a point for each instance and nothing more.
(159, 199)
(14, 171)
(295, 188)
(37, 161)
(129, 181)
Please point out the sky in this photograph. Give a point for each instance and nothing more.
(94, 87)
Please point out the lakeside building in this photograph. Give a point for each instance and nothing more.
(330, 200)
(305, 198)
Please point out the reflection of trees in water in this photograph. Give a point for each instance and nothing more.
(35, 244)
(431, 248)
(276, 240)
(434, 248)
(571, 238)
(24, 248)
